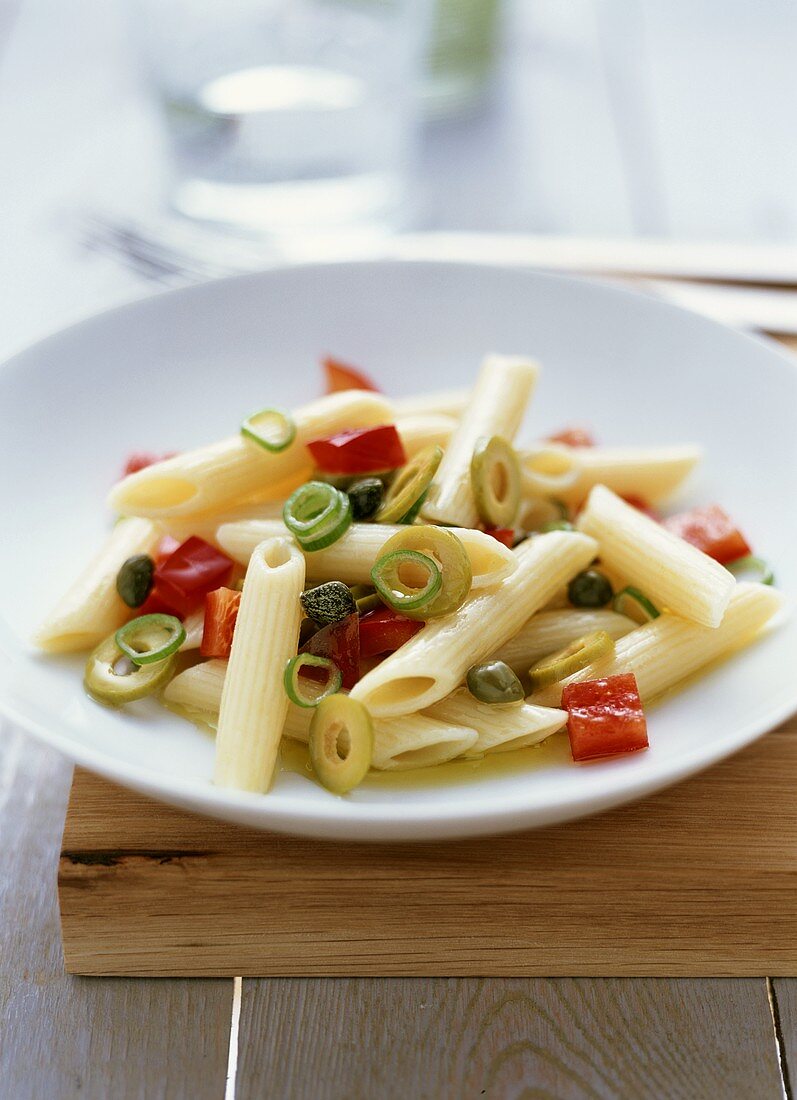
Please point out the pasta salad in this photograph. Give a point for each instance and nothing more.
(398, 583)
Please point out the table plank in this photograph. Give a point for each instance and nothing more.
(445, 1039)
(63, 1036)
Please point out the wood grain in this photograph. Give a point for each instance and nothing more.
(448, 1039)
(698, 880)
(63, 1037)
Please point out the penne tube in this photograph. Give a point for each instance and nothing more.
(667, 650)
(205, 525)
(353, 556)
(651, 473)
(424, 429)
(253, 701)
(224, 474)
(499, 728)
(549, 631)
(433, 663)
(673, 574)
(444, 403)
(92, 608)
(496, 407)
(548, 471)
(194, 627)
(414, 741)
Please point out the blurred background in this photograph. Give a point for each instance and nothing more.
(150, 143)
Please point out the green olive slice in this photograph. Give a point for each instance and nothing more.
(341, 743)
(495, 479)
(111, 677)
(494, 682)
(574, 657)
(443, 547)
(409, 485)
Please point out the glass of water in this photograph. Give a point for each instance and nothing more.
(289, 117)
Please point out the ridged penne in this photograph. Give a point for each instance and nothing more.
(225, 473)
(549, 631)
(673, 574)
(667, 650)
(352, 557)
(445, 402)
(400, 744)
(253, 702)
(423, 429)
(434, 662)
(500, 728)
(92, 608)
(496, 407)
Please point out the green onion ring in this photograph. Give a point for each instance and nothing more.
(317, 514)
(271, 429)
(291, 679)
(635, 605)
(139, 639)
(394, 591)
(760, 570)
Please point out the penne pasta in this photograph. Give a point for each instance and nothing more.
(352, 557)
(667, 650)
(92, 608)
(423, 429)
(194, 626)
(225, 473)
(549, 631)
(400, 744)
(500, 728)
(651, 473)
(496, 407)
(444, 403)
(253, 702)
(672, 573)
(433, 663)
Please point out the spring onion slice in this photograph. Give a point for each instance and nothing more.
(635, 605)
(293, 670)
(150, 638)
(751, 568)
(271, 429)
(401, 594)
(574, 657)
(414, 512)
(317, 514)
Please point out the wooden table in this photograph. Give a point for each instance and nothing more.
(576, 145)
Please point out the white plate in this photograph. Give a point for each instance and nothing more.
(182, 368)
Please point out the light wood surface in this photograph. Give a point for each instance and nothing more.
(698, 880)
(449, 1039)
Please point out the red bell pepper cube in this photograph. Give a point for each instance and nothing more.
(384, 631)
(341, 376)
(191, 571)
(340, 643)
(605, 717)
(711, 530)
(221, 614)
(139, 460)
(573, 437)
(359, 451)
(506, 535)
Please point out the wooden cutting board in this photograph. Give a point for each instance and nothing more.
(698, 880)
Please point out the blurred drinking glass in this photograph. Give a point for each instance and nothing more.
(289, 117)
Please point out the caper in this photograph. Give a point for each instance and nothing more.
(341, 742)
(574, 657)
(328, 603)
(494, 682)
(409, 485)
(495, 479)
(134, 579)
(444, 548)
(111, 678)
(590, 589)
(365, 495)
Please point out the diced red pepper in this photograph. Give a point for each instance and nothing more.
(711, 530)
(506, 535)
(221, 613)
(341, 376)
(643, 506)
(165, 548)
(384, 631)
(339, 642)
(191, 571)
(573, 437)
(154, 604)
(139, 460)
(359, 451)
(605, 717)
